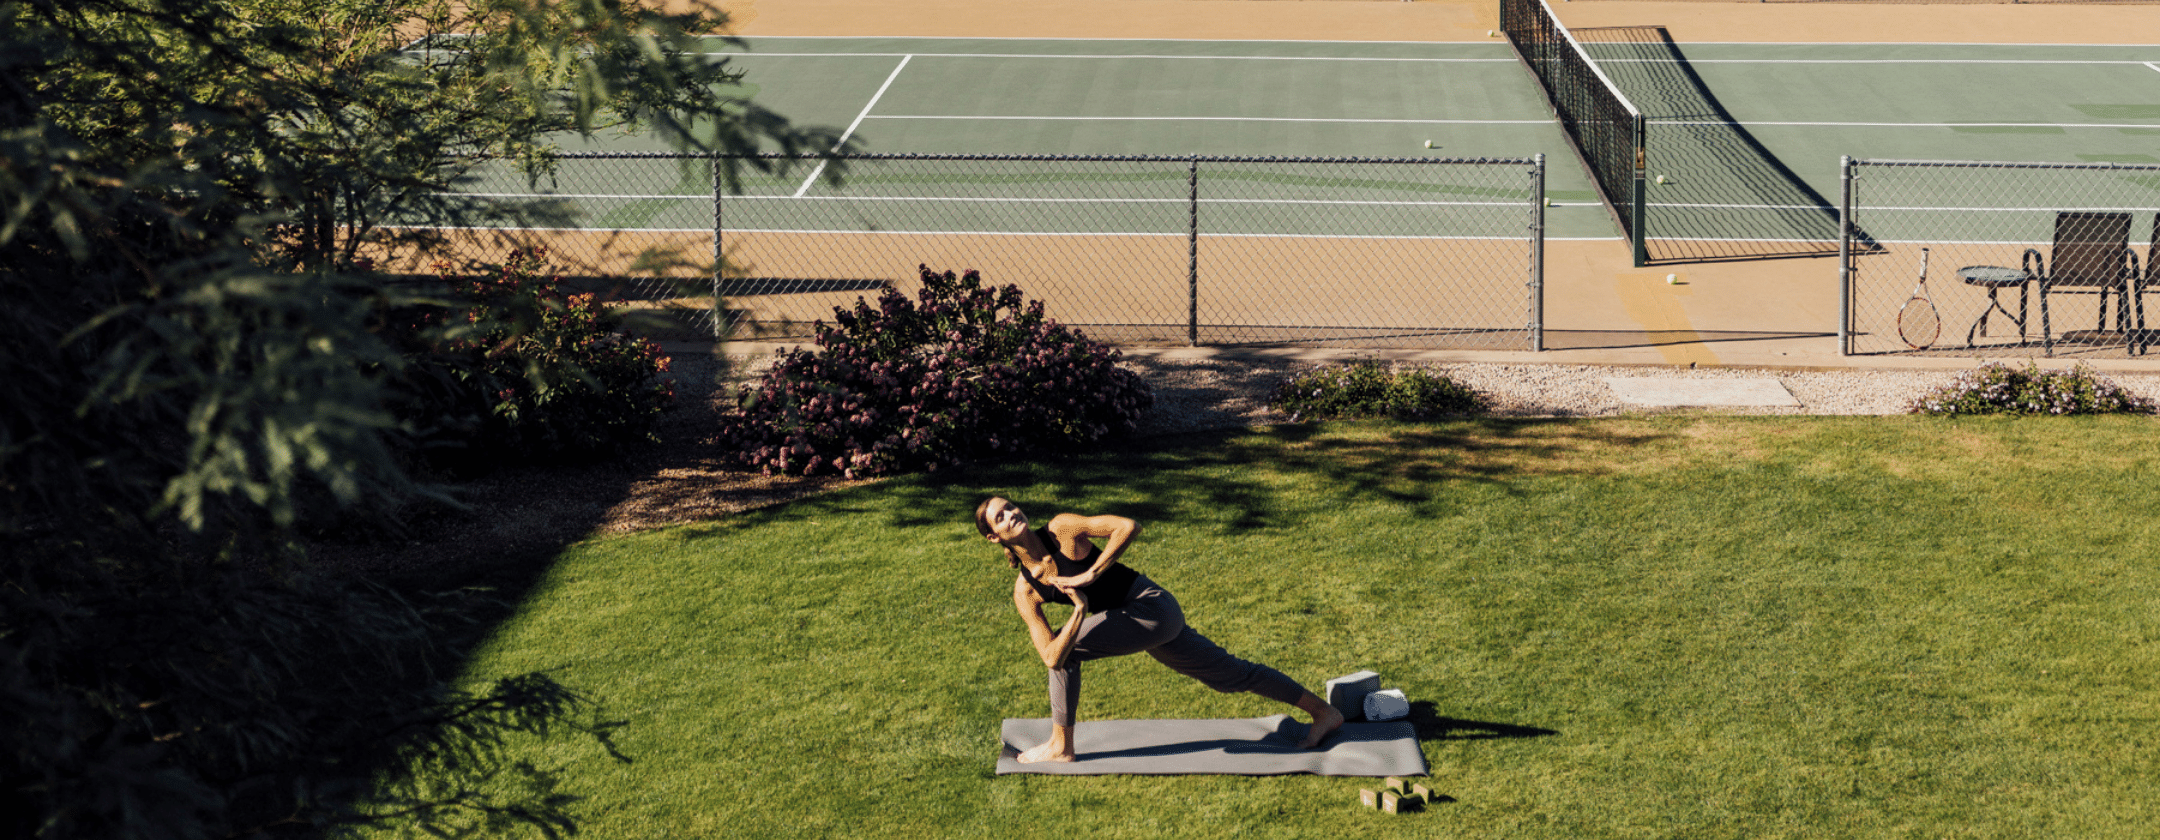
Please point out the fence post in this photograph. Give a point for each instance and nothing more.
(1844, 255)
(1537, 255)
(719, 309)
(1192, 265)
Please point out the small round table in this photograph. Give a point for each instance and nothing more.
(1994, 279)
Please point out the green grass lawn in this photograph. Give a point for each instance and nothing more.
(1677, 626)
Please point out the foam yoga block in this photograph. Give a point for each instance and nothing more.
(1347, 693)
(1388, 704)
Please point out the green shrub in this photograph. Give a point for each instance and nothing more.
(1368, 388)
(517, 370)
(1996, 388)
(966, 373)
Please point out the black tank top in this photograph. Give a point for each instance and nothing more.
(1105, 594)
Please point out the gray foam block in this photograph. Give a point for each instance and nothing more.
(1347, 693)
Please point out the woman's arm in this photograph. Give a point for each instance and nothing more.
(1052, 647)
(1116, 532)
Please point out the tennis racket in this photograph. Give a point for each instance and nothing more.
(1917, 321)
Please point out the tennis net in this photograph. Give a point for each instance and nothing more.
(1603, 126)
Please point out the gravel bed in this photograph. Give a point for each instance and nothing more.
(1208, 393)
(522, 513)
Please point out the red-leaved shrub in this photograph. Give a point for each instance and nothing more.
(965, 373)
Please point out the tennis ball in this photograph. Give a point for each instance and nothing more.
(1672, 279)
(1428, 144)
(1661, 179)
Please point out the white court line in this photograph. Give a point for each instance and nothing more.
(1123, 57)
(1867, 61)
(1892, 209)
(1467, 122)
(1879, 44)
(1203, 119)
(1165, 201)
(850, 132)
(681, 196)
(2047, 209)
(953, 199)
(1655, 121)
(1040, 38)
(1162, 235)
(2152, 65)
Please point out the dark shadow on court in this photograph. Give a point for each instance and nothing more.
(799, 285)
(1715, 193)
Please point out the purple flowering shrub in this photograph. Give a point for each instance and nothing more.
(961, 374)
(513, 368)
(1996, 388)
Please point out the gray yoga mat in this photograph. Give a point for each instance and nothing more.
(1265, 746)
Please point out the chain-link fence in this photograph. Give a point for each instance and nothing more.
(1185, 250)
(2021, 259)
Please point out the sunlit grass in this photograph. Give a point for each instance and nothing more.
(1664, 627)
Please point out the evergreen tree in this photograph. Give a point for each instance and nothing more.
(189, 369)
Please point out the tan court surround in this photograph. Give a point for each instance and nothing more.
(1591, 285)
(1448, 20)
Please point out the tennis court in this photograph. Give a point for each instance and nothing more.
(1743, 151)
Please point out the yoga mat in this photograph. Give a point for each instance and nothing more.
(1265, 746)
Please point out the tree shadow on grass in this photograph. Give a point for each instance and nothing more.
(1236, 480)
(1432, 726)
(1264, 478)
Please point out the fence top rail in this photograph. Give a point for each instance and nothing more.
(2009, 164)
(902, 156)
(1585, 56)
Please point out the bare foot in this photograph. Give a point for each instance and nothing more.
(1324, 723)
(1055, 749)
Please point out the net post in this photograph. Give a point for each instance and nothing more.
(1639, 243)
(1192, 264)
(1844, 255)
(1537, 254)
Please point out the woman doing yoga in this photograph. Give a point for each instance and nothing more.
(1116, 611)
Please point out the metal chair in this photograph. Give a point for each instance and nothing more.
(2091, 255)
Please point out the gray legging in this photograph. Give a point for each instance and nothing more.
(1151, 621)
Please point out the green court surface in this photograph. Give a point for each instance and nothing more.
(1739, 127)
(1748, 136)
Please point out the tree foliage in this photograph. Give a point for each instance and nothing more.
(547, 374)
(191, 367)
(341, 115)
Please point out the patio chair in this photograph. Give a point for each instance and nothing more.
(2091, 255)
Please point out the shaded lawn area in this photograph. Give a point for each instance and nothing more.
(1676, 626)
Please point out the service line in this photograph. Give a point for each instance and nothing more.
(850, 132)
